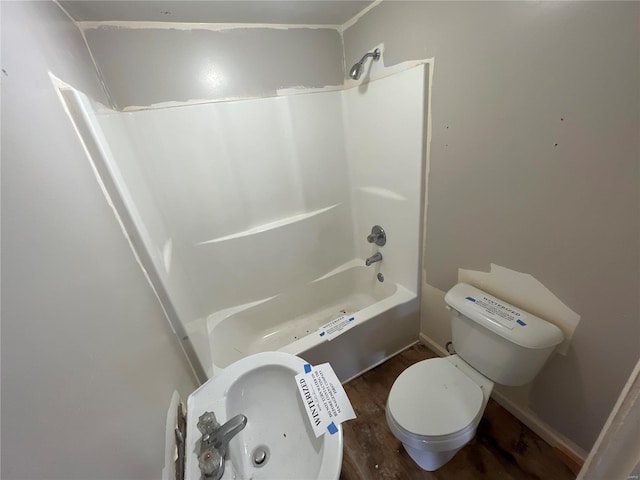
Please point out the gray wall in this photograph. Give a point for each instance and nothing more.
(89, 361)
(534, 167)
(146, 66)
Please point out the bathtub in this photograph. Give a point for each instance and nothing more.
(377, 320)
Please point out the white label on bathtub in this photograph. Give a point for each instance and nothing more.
(325, 401)
(336, 327)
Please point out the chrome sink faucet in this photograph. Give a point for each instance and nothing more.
(376, 257)
(214, 442)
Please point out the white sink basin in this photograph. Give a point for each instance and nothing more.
(262, 387)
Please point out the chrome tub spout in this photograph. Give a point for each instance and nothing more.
(376, 257)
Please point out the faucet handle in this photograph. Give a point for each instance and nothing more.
(230, 429)
(211, 463)
(214, 442)
(377, 236)
(207, 423)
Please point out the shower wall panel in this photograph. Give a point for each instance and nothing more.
(240, 201)
(124, 153)
(385, 133)
(254, 195)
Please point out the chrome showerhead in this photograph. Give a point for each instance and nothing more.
(356, 70)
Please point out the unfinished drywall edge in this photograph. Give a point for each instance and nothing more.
(107, 94)
(374, 70)
(201, 101)
(344, 58)
(299, 90)
(542, 429)
(353, 20)
(302, 90)
(88, 25)
(524, 291)
(187, 103)
(214, 27)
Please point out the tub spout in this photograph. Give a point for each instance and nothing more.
(376, 257)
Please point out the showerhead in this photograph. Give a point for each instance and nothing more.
(356, 70)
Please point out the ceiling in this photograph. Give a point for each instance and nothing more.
(305, 12)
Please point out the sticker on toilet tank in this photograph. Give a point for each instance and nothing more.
(336, 327)
(505, 315)
(324, 399)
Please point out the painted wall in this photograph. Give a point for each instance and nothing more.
(534, 166)
(89, 361)
(146, 66)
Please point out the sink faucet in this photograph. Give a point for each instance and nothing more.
(214, 442)
(376, 257)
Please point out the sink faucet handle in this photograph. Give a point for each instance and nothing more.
(211, 463)
(377, 236)
(213, 444)
(229, 430)
(207, 423)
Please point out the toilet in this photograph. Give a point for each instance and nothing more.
(435, 406)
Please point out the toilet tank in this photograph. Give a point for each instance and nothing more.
(503, 342)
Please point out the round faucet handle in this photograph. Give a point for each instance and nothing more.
(207, 423)
(377, 236)
(210, 462)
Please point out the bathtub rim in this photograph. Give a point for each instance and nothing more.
(400, 296)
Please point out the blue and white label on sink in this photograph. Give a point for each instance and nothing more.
(325, 401)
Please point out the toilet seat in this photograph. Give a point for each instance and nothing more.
(434, 402)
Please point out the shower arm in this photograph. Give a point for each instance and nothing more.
(356, 70)
(375, 54)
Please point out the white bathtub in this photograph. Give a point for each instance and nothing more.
(384, 321)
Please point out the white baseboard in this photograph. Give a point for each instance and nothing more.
(529, 418)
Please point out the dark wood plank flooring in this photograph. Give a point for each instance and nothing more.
(503, 447)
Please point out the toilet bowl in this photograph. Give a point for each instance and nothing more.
(434, 408)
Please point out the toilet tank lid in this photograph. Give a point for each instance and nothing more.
(510, 322)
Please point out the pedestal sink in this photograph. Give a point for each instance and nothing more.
(277, 441)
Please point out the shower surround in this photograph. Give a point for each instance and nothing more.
(235, 203)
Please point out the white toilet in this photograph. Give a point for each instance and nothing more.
(435, 406)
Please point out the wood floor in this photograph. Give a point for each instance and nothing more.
(503, 448)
